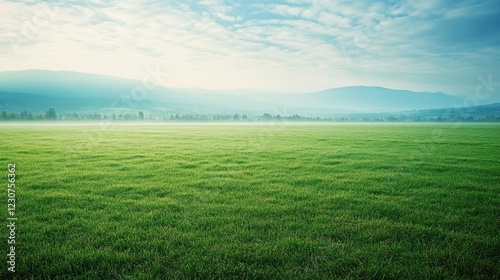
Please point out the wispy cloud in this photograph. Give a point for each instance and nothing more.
(292, 45)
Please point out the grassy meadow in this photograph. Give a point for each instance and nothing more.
(269, 201)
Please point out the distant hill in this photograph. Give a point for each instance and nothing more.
(383, 99)
(362, 99)
(36, 90)
(487, 112)
(72, 91)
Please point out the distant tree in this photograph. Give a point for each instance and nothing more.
(51, 114)
(96, 116)
(267, 116)
(128, 117)
(3, 116)
(490, 118)
(141, 115)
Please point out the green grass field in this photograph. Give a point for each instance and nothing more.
(276, 201)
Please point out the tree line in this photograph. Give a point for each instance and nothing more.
(51, 115)
(28, 116)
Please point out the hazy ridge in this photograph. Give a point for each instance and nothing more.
(37, 90)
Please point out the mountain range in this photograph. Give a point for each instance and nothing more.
(67, 92)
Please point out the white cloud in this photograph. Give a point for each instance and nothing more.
(307, 45)
(331, 19)
(287, 10)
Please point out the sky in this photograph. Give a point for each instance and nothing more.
(295, 46)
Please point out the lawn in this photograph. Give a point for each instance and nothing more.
(269, 201)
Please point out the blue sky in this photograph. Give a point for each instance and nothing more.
(286, 46)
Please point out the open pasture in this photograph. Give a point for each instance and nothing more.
(407, 201)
